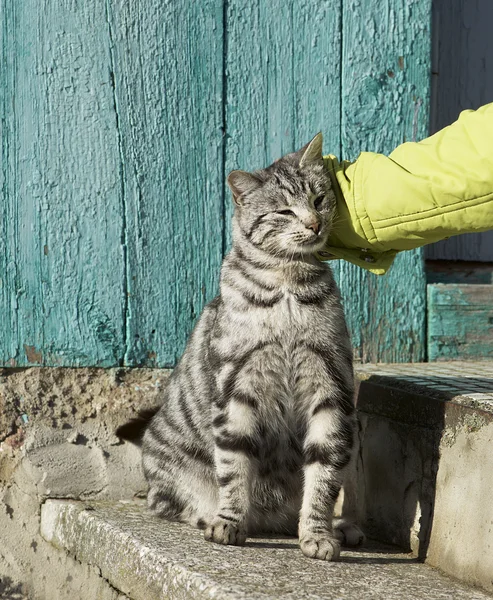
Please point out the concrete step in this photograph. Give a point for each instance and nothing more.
(147, 558)
(424, 473)
(423, 477)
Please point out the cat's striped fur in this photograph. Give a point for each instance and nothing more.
(257, 425)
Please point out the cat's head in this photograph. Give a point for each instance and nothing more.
(287, 208)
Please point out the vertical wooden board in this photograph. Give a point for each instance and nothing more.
(463, 58)
(62, 206)
(282, 81)
(168, 83)
(385, 101)
(462, 78)
(386, 315)
(465, 247)
(460, 322)
(8, 300)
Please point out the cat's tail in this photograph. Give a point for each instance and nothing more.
(134, 429)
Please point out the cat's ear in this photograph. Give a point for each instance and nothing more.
(240, 183)
(312, 152)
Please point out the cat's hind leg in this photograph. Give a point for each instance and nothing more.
(347, 533)
(193, 504)
(181, 487)
(350, 510)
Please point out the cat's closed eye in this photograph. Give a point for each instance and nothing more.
(286, 212)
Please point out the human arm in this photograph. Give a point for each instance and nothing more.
(421, 193)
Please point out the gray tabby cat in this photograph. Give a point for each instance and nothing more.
(256, 428)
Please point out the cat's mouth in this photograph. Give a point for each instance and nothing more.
(314, 242)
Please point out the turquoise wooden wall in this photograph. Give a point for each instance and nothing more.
(120, 120)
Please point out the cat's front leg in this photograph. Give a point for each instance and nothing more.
(236, 464)
(326, 452)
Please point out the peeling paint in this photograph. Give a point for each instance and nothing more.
(33, 356)
(378, 114)
(16, 440)
(90, 273)
(459, 324)
(61, 207)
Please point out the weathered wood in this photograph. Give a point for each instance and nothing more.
(385, 92)
(120, 121)
(460, 322)
(61, 299)
(280, 64)
(463, 63)
(468, 246)
(8, 308)
(168, 61)
(444, 271)
(282, 81)
(463, 58)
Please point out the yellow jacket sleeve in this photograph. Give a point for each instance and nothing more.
(421, 193)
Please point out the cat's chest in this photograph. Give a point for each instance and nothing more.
(287, 317)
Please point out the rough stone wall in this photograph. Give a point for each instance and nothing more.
(57, 440)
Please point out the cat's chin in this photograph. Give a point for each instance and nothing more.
(312, 246)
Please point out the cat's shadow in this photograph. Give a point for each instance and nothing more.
(274, 544)
(379, 560)
(377, 555)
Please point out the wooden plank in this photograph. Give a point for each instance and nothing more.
(385, 92)
(168, 64)
(8, 300)
(463, 48)
(282, 81)
(468, 246)
(460, 322)
(444, 271)
(463, 63)
(62, 265)
(113, 160)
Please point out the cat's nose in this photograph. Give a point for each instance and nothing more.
(314, 226)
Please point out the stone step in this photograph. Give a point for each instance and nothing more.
(147, 558)
(423, 478)
(424, 473)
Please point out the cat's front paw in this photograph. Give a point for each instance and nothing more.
(320, 545)
(225, 532)
(348, 533)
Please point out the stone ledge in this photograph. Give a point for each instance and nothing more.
(466, 383)
(150, 559)
(425, 467)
